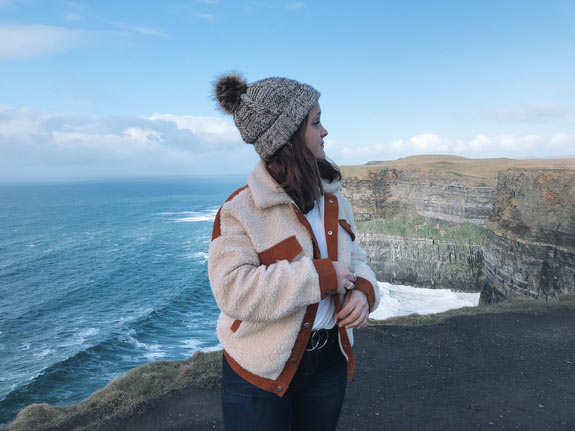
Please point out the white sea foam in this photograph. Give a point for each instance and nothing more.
(190, 344)
(197, 216)
(43, 353)
(88, 332)
(202, 255)
(212, 348)
(151, 351)
(154, 355)
(82, 336)
(398, 300)
(170, 213)
(138, 314)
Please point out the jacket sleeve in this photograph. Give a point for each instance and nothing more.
(366, 280)
(246, 289)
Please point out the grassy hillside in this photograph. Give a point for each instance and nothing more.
(455, 165)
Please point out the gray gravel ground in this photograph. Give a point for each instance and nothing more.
(485, 372)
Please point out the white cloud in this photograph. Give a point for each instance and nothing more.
(138, 29)
(20, 41)
(34, 144)
(528, 113)
(33, 40)
(211, 128)
(505, 145)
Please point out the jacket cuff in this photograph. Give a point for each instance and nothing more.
(366, 287)
(327, 277)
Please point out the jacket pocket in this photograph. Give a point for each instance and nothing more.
(286, 249)
(347, 227)
(235, 326)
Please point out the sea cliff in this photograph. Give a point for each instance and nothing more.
(529, 245)
(429, 220)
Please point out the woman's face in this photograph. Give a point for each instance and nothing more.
(315, 132)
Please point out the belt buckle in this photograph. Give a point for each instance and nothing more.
(315, 339)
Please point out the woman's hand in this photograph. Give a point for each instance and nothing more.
(355, 310)
(345, 277)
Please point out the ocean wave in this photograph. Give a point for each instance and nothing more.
(170, 213)
(199, 216)
(202, 256)
(44, 353)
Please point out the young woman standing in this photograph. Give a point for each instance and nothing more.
(284, 267)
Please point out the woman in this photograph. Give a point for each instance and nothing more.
(284, 267)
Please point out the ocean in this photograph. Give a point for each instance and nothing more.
(97, 278)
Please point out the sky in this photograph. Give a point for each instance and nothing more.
(103, 88)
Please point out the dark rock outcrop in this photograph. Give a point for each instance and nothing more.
(424, 262)
(442, 194)
(528, 207)
(448, 196)
(529, 245)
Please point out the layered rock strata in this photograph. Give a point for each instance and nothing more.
(439, 194)
(446, 196)
(424, 262)
(529, 245)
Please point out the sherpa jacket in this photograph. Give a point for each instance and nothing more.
(267, 277)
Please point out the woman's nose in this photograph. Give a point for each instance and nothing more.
(324, 132)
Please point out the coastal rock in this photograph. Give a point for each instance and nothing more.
(440, 191)
(527, 250)
(436, 194)
(424, 262)
(529, 245)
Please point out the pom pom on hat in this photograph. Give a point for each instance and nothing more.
(266, 112)
(228, 90)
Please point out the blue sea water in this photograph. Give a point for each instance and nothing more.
(97, 278)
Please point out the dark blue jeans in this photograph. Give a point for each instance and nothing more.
(312, 402)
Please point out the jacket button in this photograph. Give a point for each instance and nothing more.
(280, 388)
(306, 325)
(293, 360)
(329, 232)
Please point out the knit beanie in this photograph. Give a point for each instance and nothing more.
(267, 112)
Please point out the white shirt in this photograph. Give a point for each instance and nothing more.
(325, 317)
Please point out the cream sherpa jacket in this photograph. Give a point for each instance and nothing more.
(267, 277)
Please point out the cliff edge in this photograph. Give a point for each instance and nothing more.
(529, 243)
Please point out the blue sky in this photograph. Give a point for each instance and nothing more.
(122, 88)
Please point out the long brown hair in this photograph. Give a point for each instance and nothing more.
(296, 170)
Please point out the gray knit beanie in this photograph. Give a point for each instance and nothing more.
(267, 112)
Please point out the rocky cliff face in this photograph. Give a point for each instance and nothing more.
(441, 195)
(526, 251)
(424, 262)
(529, 245)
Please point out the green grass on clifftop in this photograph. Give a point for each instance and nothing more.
(413, 225)
(124, 396)
(461, 167)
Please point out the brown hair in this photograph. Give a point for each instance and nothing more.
(295, 169)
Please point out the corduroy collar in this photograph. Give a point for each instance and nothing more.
(267, 193)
